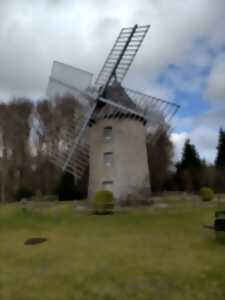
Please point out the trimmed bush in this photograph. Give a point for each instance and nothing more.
(206, 194)
(103, 202)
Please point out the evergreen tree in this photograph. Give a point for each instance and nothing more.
(219, 183)
(190, 157)
(189, 169)
(220, 159)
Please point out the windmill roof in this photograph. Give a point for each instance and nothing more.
(117, 93)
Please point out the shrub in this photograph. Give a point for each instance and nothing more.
(103, 202)
(206, 194)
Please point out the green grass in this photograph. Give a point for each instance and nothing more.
(140, 254)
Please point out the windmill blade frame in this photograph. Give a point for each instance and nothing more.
(147, 103)
(81, 132)
(155, 110)
(66, 79)
(72, 153)
(121, 55)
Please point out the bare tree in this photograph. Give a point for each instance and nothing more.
(15, 131)
(160, 154)
(4, 156)
(28, 134)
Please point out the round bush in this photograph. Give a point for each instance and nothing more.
(206, 194)
(103, 202)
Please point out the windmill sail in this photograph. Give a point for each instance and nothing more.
(122, 55)
(72, 152)
(157, 112)
(65, 79)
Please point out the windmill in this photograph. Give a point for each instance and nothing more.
(110, 126)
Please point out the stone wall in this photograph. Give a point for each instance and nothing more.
(129, 170)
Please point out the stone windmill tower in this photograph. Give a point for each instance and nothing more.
(112, 122)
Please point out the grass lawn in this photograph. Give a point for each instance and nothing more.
(154, 253)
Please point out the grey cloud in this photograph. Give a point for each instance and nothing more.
(215, 87)
(82, 32)
(215, 118)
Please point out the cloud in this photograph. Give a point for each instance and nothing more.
(185, 46)
(178, 139)
(214, 119)
(81, 33)
(205, 140)
(216, 88)
(203, 131)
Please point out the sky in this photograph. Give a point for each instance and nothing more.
(182, 58)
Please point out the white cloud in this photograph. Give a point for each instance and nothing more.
(178, 140)
(204, 138)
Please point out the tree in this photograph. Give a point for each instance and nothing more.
(190, 157)
(219, 183)
(15, 132)
(220, 158)
(189, 169)
(29, 134)
(3, 147)
(160, 154)
(55, 125)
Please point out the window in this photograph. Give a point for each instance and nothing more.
(107, 133)
(107, 185)
(108, 159)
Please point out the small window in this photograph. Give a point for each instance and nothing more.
(107, 185)
(108, 159)
(108, 134)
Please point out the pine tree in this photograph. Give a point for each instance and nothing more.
(189, 169)
(219, 183)
(220, 159)
(190, 157)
